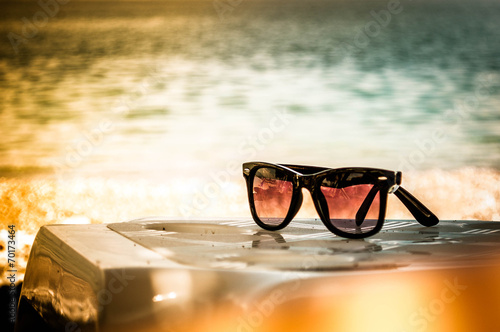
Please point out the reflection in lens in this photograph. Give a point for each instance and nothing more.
(272, 195)
(345, 200)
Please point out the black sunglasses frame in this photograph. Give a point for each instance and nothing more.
(310, 177)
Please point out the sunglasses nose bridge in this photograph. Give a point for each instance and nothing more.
(305, 181)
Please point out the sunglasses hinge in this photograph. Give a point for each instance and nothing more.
(393, 188)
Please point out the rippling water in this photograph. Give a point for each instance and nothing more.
(114, 110)
(185, 89)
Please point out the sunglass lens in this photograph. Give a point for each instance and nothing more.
(353, 206)
(272, 195)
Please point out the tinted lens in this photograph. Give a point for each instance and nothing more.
(272, 195)
(353, 206)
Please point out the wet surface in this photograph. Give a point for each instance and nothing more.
(307, 246)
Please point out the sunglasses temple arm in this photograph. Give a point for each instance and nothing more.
(422, 214)
(365, 206)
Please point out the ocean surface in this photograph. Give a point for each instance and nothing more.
(188, 86)
(112, 110)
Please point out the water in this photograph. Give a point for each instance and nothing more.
(114, 110)
(195, 86)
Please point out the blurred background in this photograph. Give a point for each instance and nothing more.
(113, 110)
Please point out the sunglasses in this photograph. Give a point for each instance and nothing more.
(351, 202)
